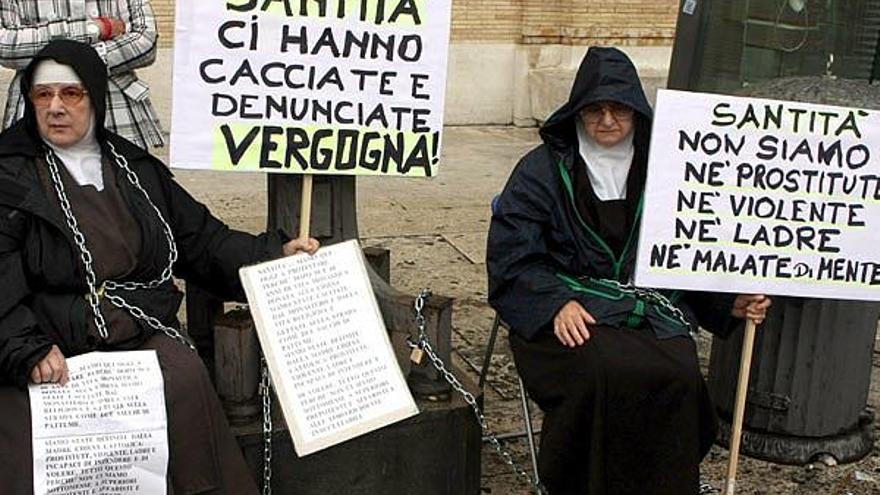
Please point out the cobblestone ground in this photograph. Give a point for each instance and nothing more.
(436, 232)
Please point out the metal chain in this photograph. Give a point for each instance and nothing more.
(266, 393)
(151, 321)
(94, 296)
(706, 488)
(167, 272)
(95, 292)
(423, 344)
(468, 397)
(651, 296)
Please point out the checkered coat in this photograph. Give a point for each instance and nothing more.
(27, 25)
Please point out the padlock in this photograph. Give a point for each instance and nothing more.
(417, 356)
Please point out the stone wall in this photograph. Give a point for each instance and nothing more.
(567, 22)
(599, 22)
(164, 10)
(510, 61)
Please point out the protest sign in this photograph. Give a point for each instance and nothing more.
(326, 346)
(349, 87)
(105, 431)
(761, 196)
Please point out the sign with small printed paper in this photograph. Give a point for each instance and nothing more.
(105, 431)
(329, 355)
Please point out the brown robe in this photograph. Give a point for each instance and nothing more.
(203, 455)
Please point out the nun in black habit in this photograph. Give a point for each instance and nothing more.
(613, 367)
(92, 228)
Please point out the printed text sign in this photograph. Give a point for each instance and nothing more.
(326, 346)
(105, 432)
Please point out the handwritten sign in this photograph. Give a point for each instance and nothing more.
(326, 346)
(105, 431)
(762, 196)
(351, 87)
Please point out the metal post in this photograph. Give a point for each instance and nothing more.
(490, 349)
(530, 434)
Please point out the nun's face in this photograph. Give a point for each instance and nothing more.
(607, 122)
(64, 112)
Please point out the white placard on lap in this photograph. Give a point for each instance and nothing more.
(105, 432)
(326, 346)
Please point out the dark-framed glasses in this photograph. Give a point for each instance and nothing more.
(595, 111)
(42, 95)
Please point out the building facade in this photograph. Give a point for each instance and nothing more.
(530, 22)
(532, 47)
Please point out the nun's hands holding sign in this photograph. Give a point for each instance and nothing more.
(751, 306)
(51, 369)
(297, 245)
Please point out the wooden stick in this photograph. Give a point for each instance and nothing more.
(305, 208)
(742, 386)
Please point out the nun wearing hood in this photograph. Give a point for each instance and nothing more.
(92, 228)
(614, 367)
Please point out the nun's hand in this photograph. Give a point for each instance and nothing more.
(51, 369)
(751, 306)
(570, 324)
(297, 245)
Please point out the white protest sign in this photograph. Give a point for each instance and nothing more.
(761, 196)
(349, 87)
(326, 346)
(105, 431)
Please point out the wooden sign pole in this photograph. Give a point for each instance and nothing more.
(745, 367)
(305, 208)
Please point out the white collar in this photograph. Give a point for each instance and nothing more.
(83, 159)
(607, 167)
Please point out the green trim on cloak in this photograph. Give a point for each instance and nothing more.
(635, 319)
(617, 262)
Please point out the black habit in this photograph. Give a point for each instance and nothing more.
(43, 298)
(627, 412)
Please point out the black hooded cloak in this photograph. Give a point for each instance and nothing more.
(42, 302)
(627, 412)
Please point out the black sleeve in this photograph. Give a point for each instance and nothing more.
(712, 310)
(22, 343)
(209, 252)
(523, 286)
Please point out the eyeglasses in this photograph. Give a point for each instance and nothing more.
(42, 96)
(595, 111)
